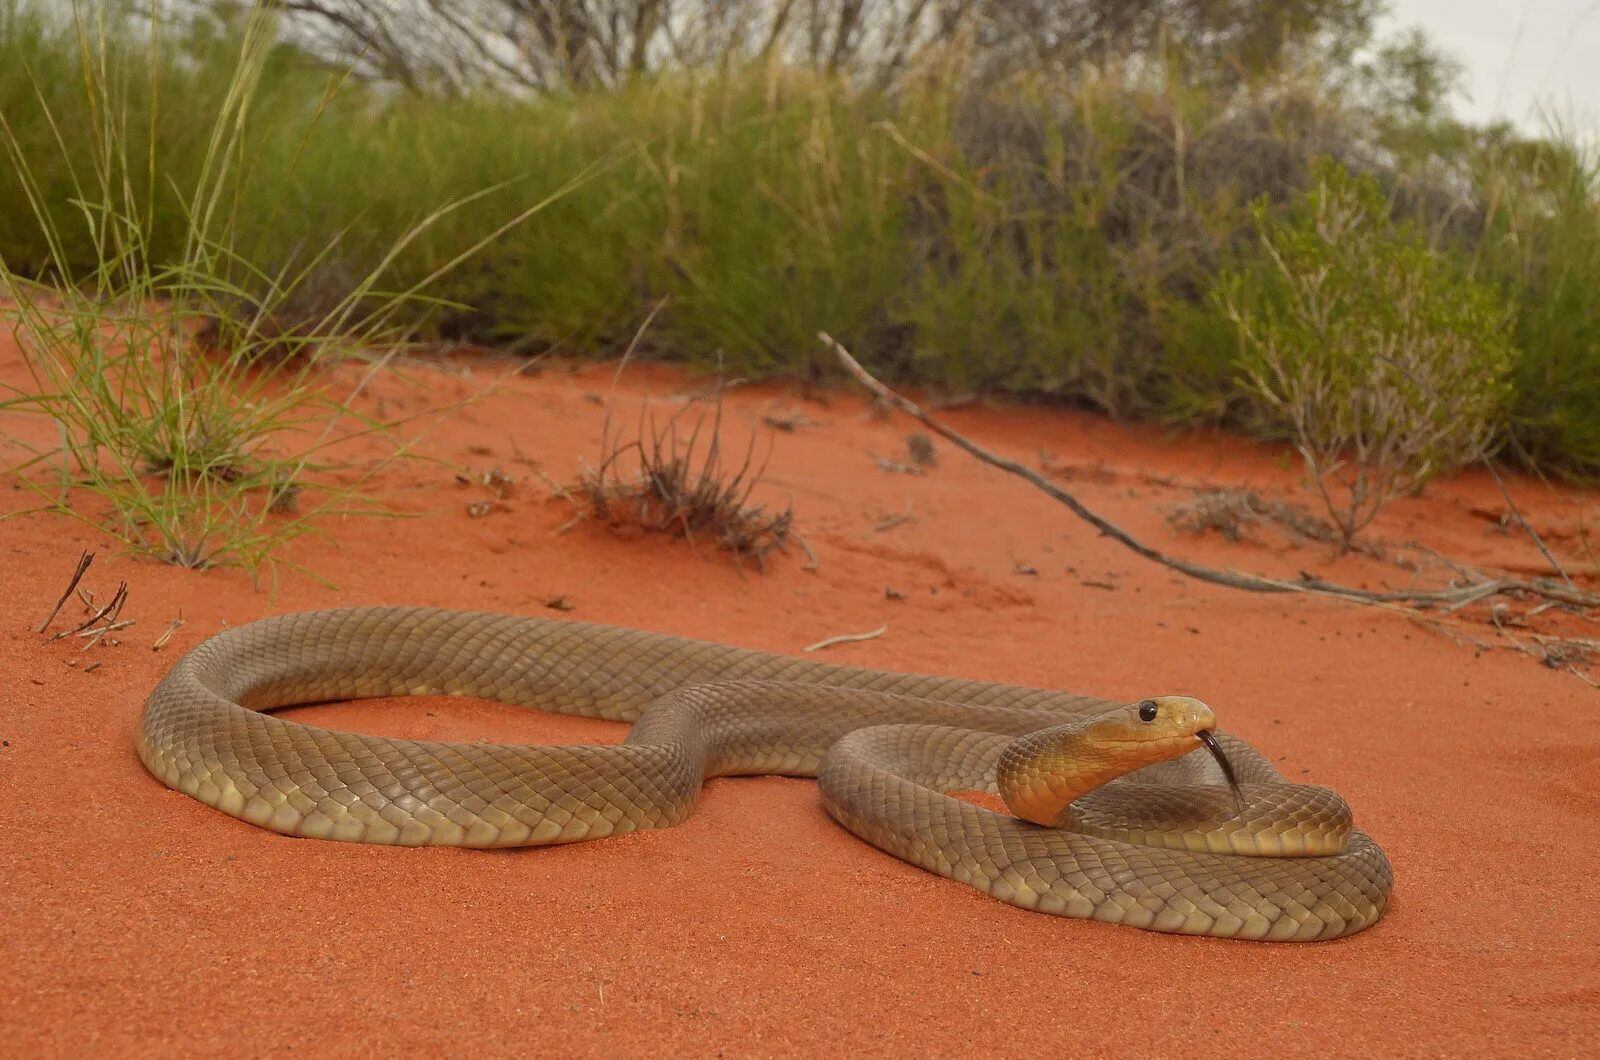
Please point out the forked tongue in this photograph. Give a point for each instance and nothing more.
(1209, 738)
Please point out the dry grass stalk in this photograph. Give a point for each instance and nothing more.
(846, 638)
(84, 559)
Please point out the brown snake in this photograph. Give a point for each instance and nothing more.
(1141, 850)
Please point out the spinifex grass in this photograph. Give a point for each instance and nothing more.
(200, 449)
(188, 452)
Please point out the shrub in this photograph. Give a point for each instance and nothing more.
(1381, 360)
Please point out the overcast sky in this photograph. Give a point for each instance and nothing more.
(1520, 55)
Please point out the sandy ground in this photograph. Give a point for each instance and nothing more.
(137, 922)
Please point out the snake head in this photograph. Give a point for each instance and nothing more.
(1041, 773)
(1156, 729)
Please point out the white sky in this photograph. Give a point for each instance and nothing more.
(1520, 56)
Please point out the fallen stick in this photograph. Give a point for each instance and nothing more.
(1469, 593)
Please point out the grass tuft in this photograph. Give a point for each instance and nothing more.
(195, 395)
(664, 482)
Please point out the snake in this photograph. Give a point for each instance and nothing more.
(1136, 813)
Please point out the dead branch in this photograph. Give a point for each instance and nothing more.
(1458, 595)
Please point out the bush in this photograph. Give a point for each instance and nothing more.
(1383, 361)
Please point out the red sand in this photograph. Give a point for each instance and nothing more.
(137, 922)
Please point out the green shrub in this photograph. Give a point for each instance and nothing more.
(1381, 360)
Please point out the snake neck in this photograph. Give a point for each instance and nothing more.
(1041, 773)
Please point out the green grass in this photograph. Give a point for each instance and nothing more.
(1542, 242)
(1046, 237)
(189, 388)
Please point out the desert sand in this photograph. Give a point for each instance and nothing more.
(136, 922)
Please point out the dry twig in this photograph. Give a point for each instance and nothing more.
(84, 559)
(846, 638)
(110, 613)
(161, 641)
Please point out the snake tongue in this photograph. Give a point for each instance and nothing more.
(1209, 738)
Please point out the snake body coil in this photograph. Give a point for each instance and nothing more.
(884, 746)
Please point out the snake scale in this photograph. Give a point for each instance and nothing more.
(1154, 849)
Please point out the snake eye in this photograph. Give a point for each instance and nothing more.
(1148, 710)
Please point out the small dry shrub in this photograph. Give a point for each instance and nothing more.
(665, 483)
(1237, 513)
